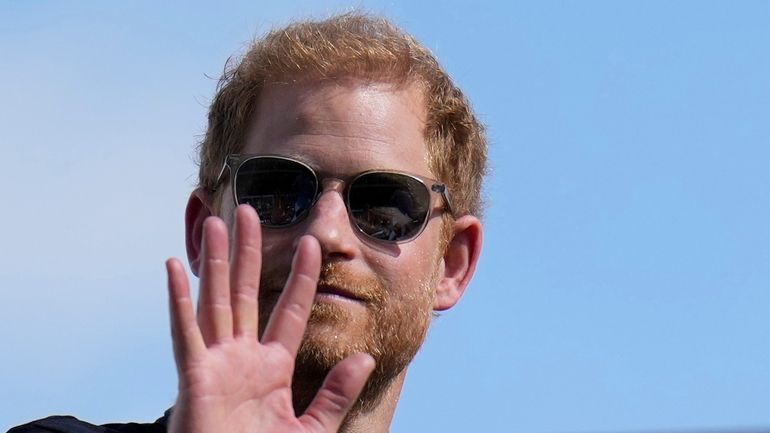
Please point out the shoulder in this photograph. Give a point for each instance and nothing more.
(69, 424)
(58, 424)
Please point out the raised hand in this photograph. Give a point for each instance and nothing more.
(229, 381)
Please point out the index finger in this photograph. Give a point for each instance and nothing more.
(289, 319)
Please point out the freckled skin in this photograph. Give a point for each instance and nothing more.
(342, 129)
(267, 356)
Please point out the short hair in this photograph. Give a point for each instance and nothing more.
(351, 45)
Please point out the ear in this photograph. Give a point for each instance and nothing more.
(198, 209)
(459, 261)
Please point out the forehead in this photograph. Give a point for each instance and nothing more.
(342, 126)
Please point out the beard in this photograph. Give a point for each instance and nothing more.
(391, 329)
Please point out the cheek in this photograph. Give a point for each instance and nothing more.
(226, 210)
(410, 276)
(272, 253)
(427, 262)
(224, 204)
(277, 247)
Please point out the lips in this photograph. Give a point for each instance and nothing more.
(325, 289)
(338, 291)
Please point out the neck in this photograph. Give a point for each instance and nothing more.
(372, 417)
(379, 418)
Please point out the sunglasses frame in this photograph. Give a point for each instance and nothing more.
(235, 161)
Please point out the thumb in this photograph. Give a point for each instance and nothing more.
(338, 393)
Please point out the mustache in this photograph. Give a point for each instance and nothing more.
(333, 274)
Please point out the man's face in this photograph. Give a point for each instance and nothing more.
(341, 129)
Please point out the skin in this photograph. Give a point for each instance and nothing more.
(233, 379)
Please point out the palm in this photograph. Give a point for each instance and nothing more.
(231, 381)
(232, 376)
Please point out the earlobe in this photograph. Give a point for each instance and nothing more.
(198, 209)
(459, 261)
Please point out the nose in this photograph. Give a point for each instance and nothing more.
(329, 223)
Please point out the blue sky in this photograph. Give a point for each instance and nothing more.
(625, 282)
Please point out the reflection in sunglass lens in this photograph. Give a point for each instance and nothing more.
(388, 206)
(281, 191)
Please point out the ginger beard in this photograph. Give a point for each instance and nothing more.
(391, 328)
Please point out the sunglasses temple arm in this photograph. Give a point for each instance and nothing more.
(442, 189)
(218, 182)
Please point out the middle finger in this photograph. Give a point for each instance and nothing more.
(245, 269)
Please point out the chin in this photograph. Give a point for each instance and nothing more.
(337, 329)
(335, 332)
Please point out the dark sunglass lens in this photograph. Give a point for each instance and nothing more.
(389, 206)
(280, 190)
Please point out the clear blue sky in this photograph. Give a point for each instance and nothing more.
(625, 284)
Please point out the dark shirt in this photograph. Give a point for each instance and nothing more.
(68, 424)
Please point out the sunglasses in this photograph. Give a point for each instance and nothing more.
(385, 205)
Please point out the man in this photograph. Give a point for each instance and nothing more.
(338, 208)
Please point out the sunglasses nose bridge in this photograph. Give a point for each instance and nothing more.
(328, 221)
(332, 184)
